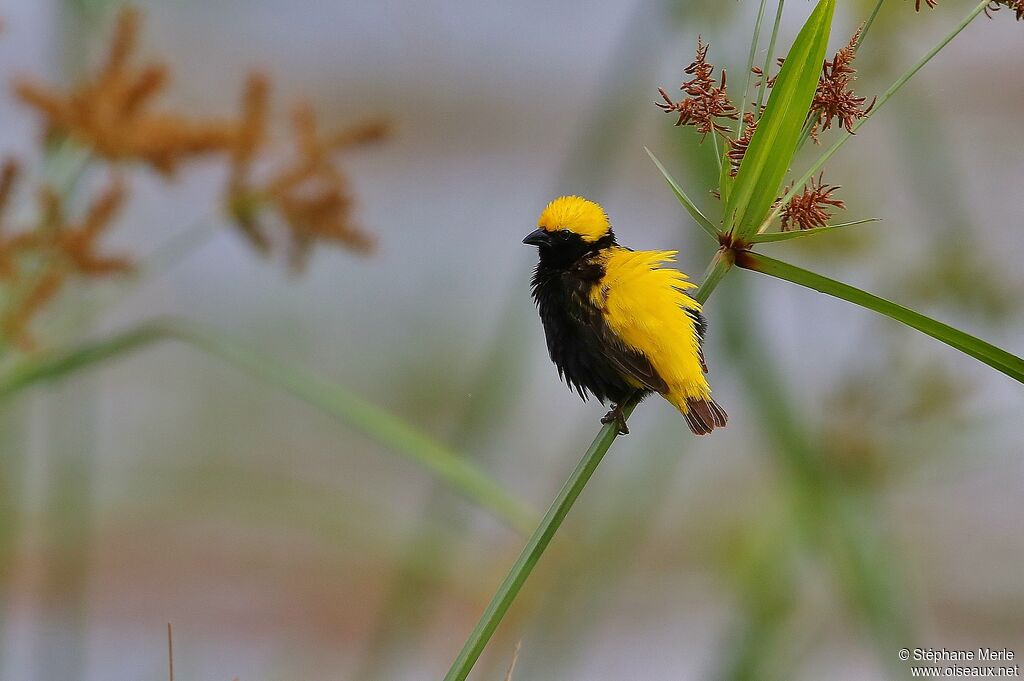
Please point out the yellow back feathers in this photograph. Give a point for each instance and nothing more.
(576, 214)
(643, 304)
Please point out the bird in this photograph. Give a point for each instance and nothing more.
(618, 323)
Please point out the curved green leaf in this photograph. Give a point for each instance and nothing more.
(1009, 364)
(343, 405)
(688, 203)
(769, 237)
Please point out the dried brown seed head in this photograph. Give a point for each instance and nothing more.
(706, 102)
(59, 249)
(1017, 6)
(835, 100)
(309, 193)
(811, 208)
(110, 113)
(738, 147)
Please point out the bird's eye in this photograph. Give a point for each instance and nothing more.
(564, 233)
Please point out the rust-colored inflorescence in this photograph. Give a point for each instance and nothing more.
(9, 172)
(310, 193)
(1017, 6)
(930, 3)
(811, 208)
(835, 100)
(706, 102)
(110, 114)
(759, 73)
(738, 147)
(35, 264)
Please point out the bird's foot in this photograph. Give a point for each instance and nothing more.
(616, 416)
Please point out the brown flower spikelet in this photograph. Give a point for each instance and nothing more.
(310, 193)
(8, 176)
(111, 115)
(759, 73)
(738, 147)
(834, 99)
(705, 102)
(811, 208)
(63, 249)
(1017, 6)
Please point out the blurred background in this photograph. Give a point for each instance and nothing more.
(866, 496)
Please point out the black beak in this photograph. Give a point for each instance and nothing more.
(537, 237)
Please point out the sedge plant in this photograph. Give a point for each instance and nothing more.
(754, 201)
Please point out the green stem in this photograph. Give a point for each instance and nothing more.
(867, 24)
(768, 58)
(718, 151)
(717, 269)
(373, 421)
(750, 66)
(533, 550)
(997, 358)
(893, 89)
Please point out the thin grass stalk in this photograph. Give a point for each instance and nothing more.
(720, 164)
(702, 220)
(892, 90)
(376, 423)
(750, 67)
(867, 24)
(534, 549)
(768, 58)
(770, 237)
(601, 559)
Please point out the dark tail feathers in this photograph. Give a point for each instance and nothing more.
(703, 416)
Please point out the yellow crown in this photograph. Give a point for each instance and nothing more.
(576, 214)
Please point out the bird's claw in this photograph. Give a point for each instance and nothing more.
(615, 416)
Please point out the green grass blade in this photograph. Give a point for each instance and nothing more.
(374, 422)
(867, 24)
(532, 552)
(775, 141)
(725, 176)
(1009, 364)
(769, 237)
(690, 206)
(769, 56)
(750, 67)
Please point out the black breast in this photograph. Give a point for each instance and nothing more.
(562, 297)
